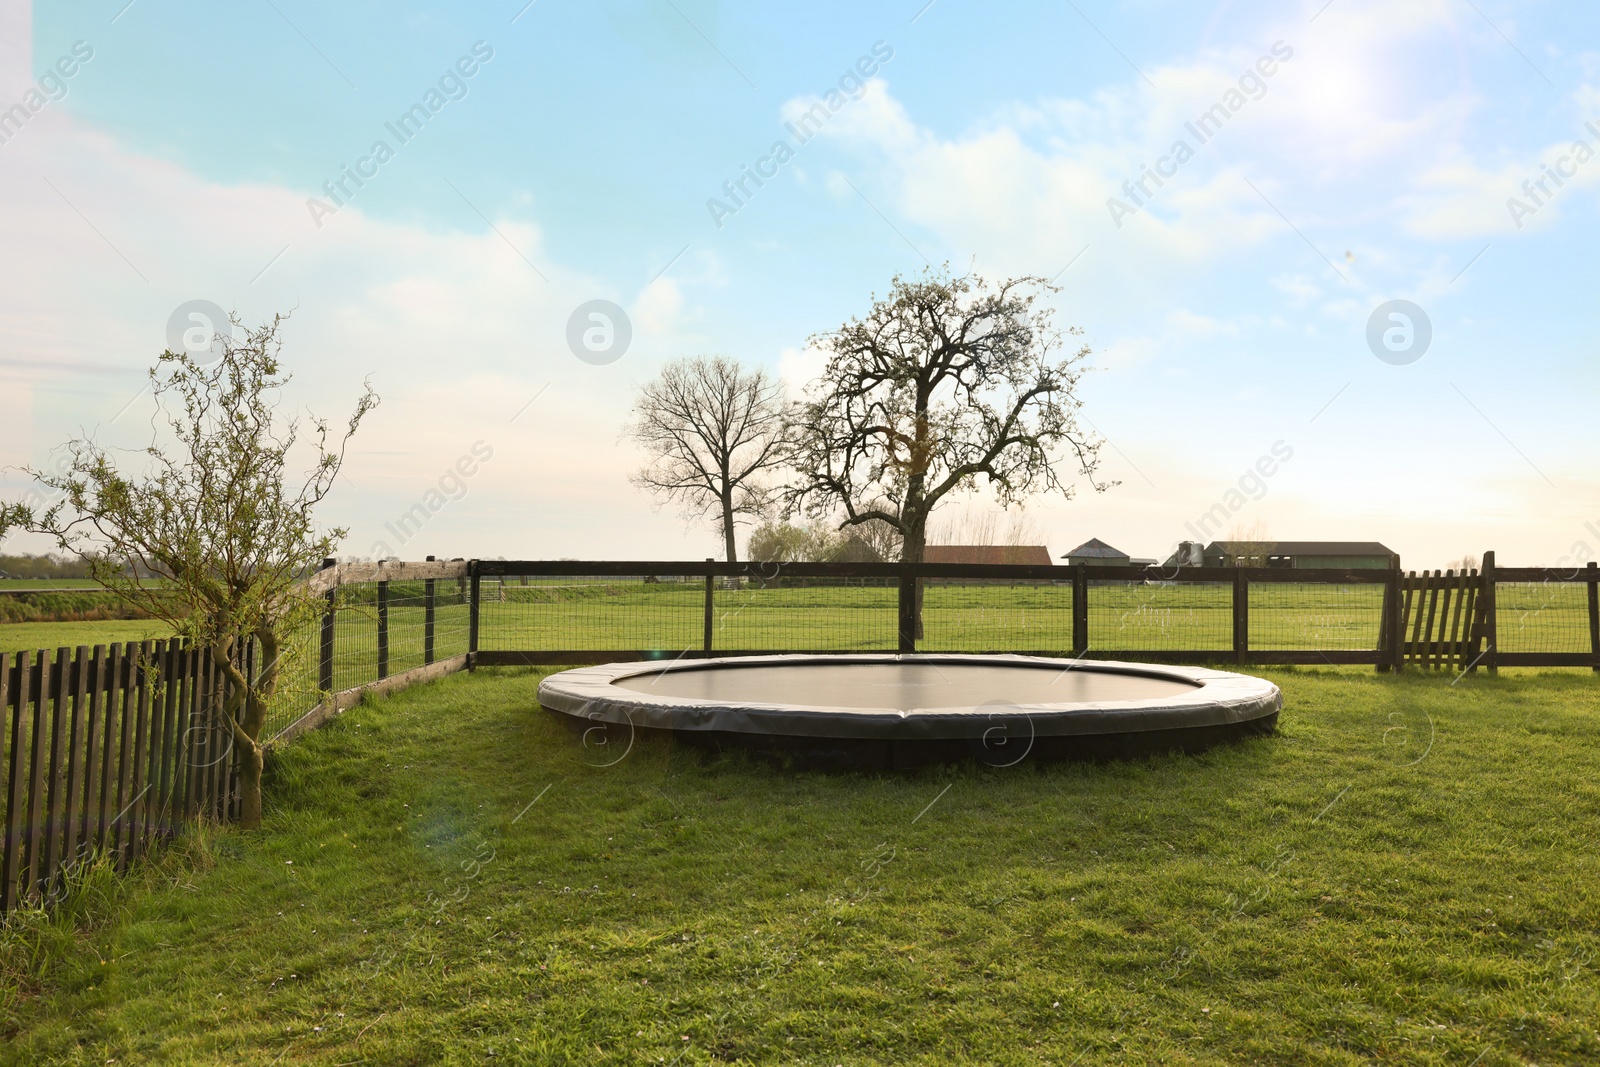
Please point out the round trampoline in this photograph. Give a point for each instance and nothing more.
(881, 710)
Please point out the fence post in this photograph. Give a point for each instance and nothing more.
(1393, 625)
(1080, 608)
(325, 661)
(710, 582)
(383, 630)
(472, 613)
(1241, 615)
(908, 608)
(18, 678)
(427, 618)
(1593, 571)
(1491, 619)
(51, 814)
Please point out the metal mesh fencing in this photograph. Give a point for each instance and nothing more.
(375, 634)
(658, 612)
(1325, 617)
(667, 613)
(795, 614)
(1136, 616)
(960, 615)
(1543, 616)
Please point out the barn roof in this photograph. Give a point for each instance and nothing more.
(1309, 548)
(1094, 548)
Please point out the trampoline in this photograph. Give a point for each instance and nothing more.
(886, 710)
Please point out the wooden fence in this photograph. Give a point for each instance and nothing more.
(1431, 620)
(104, 751)
(1080, 585)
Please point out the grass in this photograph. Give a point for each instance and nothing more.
(1405, 873)
(28, 636)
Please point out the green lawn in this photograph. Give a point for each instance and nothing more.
(1406, 873)
(28, 636)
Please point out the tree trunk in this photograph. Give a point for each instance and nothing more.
(911, 552)
(249, 759)
(727, 529)
(244, 713)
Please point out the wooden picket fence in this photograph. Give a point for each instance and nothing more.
(1444, 619)
(105, 750)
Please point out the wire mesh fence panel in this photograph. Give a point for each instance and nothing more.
(1543, 616)
(1130, 616)
(1294, 615)
(789, 614)
(662, 613)
(980, 616)
(296, 691)
(376, 634)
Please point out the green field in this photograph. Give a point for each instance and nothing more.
(1404, 874)
(28, 636)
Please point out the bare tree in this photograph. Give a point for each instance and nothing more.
(1250, 546)
(883, 540)
(945, 385)
(216, 536)
(712, 427)
(982, 527)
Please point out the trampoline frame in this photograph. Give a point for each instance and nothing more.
(1222, 704)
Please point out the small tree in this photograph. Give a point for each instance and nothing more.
(944, 385)
(711, 427)
(782, 542)
(215, 537)
(11, 517)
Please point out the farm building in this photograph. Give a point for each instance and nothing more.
(1096, 553)
(1300, 555)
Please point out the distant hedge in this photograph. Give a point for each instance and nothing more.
(46, 606)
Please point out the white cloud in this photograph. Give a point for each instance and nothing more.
(1462, 198)
(799, 367)
(658, 307)
(456, 330)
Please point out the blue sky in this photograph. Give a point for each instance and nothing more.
(1229, 312)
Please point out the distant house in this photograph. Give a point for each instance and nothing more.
(1032, 555)
(1096, 553)
(1300, 555)
(855, 550)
